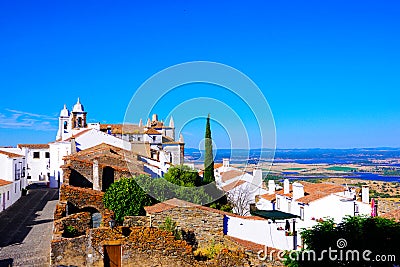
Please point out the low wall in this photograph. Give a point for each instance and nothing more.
(80, 221)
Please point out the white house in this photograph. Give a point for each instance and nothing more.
(12, 176)
(314, 201)
(37, 162)
(241, 187)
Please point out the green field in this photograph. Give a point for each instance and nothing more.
(341, 169)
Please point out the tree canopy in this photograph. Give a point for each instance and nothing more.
(208, 176)
(126, 198)
(183, 175)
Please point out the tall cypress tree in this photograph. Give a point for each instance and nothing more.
(208, 157)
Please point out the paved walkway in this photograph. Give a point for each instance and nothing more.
(26, 229)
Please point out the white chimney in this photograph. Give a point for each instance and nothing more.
(155, 117)
(225, 162)
(365, 194)
(257, 177)
(298, 190)
(271, 187)
(286, 189)
(96, 180)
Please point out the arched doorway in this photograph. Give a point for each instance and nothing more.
(107, 178)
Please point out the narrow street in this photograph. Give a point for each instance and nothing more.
(26, 229)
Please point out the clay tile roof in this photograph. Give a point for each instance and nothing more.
(394, 214)
(226, 176)
(269, 197)
(319, 190)
(34, 146)
(152, 131)
(10, 155)
(122, 128)
(246, 244)
(78, 134)
(4, 182)
(232, 185)
(218, 165)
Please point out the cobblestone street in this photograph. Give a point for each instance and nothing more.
(26, 229)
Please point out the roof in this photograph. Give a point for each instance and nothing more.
(122, 128)
(232, 185)
(4, 182)
(394, 214)
(78, 134)
(34, 146)
(152, 131)
(217, 165)
(273, 214)
(10, 155)
(226, 176)
(312, 192)
(108, 155)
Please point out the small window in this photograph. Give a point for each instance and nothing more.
(302, 213)
(8, 195)
(278, 203)
(29, 177)
(36, 155)
(47, 155)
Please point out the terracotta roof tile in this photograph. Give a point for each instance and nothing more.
(78, 134)
(232, 185)
(34, 146)
(218, 165)
(122, 128)
(152, 131)
(312, 192)
(10, 155)
(4, 182)
(226, 176)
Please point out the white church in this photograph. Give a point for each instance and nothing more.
(155, 142)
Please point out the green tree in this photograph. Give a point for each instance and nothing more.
(208, 176)
(183, 175)
(357, 233)
(126, 198)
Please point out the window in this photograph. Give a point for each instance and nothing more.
(65, 125)
(15, 189)
(47, 155)
(302, 213)
(8, 195)
(36, 155)
(278, 203)
(29, 177)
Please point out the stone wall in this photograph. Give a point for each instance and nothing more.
(80, 221)
(85, 198)
(69, 251)
(132, 221)
(207, 226)
(60, 211)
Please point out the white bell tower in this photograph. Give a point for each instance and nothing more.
(64, 124)
(78, 119)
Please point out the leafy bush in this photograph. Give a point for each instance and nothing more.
(70, 231)
(126, 198)
(210, 251)
(170, 226)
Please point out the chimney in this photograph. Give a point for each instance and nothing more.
(298, 190)
(286, 188)
(155, 117)
(141, 123)
(365, 194)
(225, 162)
(73, 145)
(257, 177)
(96, 181)
(271, 187)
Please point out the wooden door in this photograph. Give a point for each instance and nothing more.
(112, 255)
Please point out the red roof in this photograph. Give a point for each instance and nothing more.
(4, 182)
(232, 185)
(10, 155)
(152, 131)
(226, 176)
(394, 215)
(34, 146)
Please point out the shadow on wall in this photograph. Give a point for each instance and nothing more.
(225, 225)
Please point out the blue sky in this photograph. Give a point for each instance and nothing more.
(329, 69)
